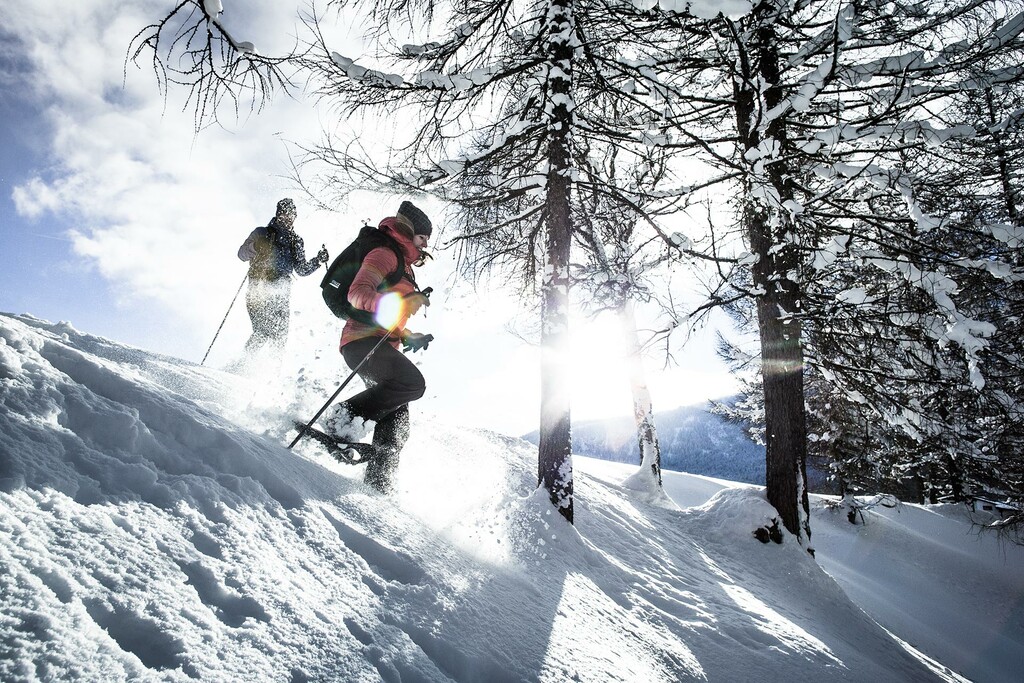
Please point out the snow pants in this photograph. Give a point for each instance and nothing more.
(392, 382)
(269, 311)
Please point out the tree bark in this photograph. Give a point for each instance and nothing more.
(554, 460)
(769, 233)
(1005, 173)
(643, 407)
(782, 364)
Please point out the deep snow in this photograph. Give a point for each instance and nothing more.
(154, 527)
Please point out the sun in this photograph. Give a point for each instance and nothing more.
(602, 383)
(598, 368)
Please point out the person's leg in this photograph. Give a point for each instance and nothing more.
(277, 314)
(392, 380)
(389, 437)
(255, 303)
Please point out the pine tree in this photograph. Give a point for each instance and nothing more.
(827, 101)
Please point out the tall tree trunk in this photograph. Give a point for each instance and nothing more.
(1005, 173)
(771, 237)
(643, 407)
(554, 460)
(782, 364)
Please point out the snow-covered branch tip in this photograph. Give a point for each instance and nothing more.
(191, 47)
(213, 9)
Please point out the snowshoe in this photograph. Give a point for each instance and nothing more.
(347, 452)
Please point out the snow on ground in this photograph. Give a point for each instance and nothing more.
(154, 527)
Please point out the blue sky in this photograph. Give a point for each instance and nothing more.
(40, 273)
(35, 252)
(116, 217)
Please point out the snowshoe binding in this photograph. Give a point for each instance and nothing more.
(346, 452)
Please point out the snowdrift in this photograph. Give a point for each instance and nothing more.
(154, 527)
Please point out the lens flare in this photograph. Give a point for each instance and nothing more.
(389, 310)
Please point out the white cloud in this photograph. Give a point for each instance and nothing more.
(158, 210)
(35, 198)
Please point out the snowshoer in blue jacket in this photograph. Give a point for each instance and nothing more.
(274, 252)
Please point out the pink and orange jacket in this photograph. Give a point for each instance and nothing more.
(364, 294)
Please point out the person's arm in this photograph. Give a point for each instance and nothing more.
(302, 266)
(363, 294)
(249, 249)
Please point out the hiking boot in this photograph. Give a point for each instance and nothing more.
(341, 423)
(380, 470)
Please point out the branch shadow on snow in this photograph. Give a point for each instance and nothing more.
(522, 595)
(699, 577)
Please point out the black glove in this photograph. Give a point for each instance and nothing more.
(414, 341)
(322, 255)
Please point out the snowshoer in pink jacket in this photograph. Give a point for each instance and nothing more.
(392, 380)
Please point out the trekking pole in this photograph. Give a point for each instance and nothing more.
(343, 385)
(225, 318)
(349, 378)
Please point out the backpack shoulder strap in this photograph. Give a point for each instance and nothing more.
(399, 273)
(393, 278)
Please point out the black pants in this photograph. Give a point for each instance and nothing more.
(392, 383)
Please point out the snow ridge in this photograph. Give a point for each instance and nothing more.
(153, 527)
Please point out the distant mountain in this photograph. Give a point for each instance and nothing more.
(692, 440)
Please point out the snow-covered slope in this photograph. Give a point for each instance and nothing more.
(154, 527)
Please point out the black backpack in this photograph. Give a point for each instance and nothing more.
(344, 268)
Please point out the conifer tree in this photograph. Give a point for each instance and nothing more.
(827, 100)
